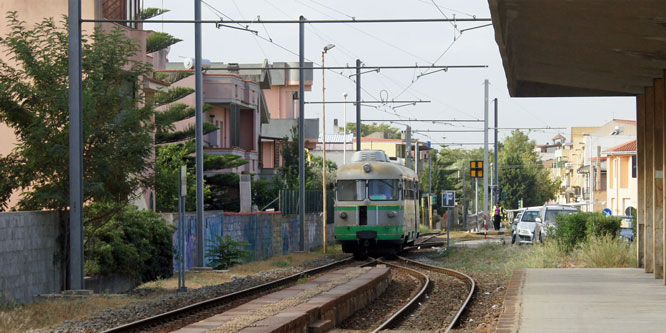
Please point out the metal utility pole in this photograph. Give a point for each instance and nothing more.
(182, 196)
(492, 188)
(485, 148)
(408, 147)
(358, 104)
(75, 149)
(476, 198)
(199, 133)
(301, 141)
(323, 136)
(464, 199)
(430, 186)
(496, 176)
(344, 130)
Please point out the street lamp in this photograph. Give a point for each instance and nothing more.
(323, 136)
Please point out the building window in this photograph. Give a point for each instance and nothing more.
(633, 166)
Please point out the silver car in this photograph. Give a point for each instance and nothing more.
(528, 229)
(548, 216)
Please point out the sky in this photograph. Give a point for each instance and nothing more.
(454, 94)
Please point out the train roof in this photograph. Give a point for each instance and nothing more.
(379, 168)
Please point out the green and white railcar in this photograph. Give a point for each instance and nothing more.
(376, 205)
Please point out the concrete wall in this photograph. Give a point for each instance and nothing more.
(28, 250)
(269, 233)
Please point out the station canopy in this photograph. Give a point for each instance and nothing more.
(557, 48)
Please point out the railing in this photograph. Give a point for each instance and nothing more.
(313, 202)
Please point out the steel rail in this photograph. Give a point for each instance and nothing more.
(396, 317)
(466, 278)
(172, 315)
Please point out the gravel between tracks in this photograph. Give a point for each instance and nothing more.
(441, 305)
(170, 301)
(484, 309)
(402, 288)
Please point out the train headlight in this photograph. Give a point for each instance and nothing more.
(392, 213)
(367, 168)
(343, 215)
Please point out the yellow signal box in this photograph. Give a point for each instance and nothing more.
(476, 169)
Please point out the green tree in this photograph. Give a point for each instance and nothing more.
(289, 170)
(522, 175)
(366, 129)
(117, 130)
(316, 171)
(444, 175)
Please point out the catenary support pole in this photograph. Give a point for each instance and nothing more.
(75, 149)
(496, 175)
(358, 104)
(301, 140)
(485, 148)
(199, 133)
(408, 146)
(323, 140)
(464, 197)
(344, 131)
(430, 186)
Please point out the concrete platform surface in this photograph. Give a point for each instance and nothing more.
(590, 300)
(314, 306)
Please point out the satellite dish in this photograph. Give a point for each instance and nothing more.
(189, 63)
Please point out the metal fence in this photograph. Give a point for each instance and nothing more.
(313, 202)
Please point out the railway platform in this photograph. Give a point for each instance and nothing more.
(583, 300)
(313, 306)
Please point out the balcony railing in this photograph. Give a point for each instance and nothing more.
(122, 10)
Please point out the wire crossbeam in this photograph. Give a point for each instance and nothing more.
(365, 102)
(320, 21)
(426, 120)
(374, 68)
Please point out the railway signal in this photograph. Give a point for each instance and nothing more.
(476, 169)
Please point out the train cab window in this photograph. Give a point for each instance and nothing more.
(383, 189)
(351, 190)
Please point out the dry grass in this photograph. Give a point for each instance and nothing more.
(502, 259)
(44, 314)
(462, 235)
(195, 280)
(48, 313)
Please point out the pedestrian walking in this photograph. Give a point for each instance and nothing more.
(497, 217)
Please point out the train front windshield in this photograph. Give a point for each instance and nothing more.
(351, 190)
(383, 189)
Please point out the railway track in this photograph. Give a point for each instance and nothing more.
(155, 322)
(427, 285)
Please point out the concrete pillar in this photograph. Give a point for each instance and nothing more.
(640, 168)
(659, 105)
(245, 188)
(649, 179)
(658, 193)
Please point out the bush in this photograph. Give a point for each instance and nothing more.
(573, 229)
(159, 40)
(227, 252)
(600, 225)
(128, 241)
(570, 230)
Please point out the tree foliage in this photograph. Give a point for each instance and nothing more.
(367, 129)
(522, 175)
(169, 159)
(289, 170)
(148, 13)
(159, 40)
(117, 131)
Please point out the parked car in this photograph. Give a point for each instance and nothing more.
(548, 216)
(528, 228)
